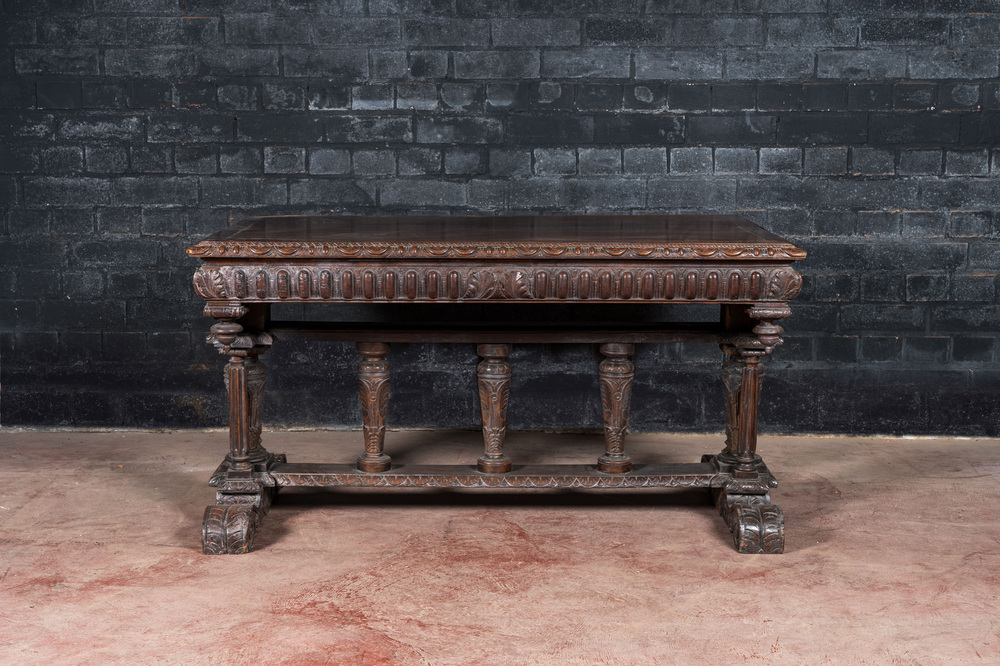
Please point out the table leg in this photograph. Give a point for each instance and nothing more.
(244, 489)
(494, 395)
(616, 374)
(744, 500)
(373, 384)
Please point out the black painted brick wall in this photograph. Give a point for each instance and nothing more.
(865, 130)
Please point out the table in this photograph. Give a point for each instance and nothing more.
(541, 259)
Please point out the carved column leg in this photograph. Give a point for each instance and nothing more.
(373, 383)
(244, 488)
(616, 373)
(494, 394)
(744, 498)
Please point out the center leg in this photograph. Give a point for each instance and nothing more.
(616, 373)
(494, 395)
(373, 385)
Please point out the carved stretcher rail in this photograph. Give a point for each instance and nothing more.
(679, 475)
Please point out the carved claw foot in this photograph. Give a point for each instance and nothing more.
(229, 528)
(758, 529)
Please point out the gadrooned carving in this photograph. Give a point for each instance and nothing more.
(435, 283)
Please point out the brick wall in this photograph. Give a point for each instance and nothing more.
(866, 131)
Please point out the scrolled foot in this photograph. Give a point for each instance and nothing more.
(758, 529)
(229, 528)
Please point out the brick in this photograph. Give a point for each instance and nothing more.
(368, 32)
(914, 95)
(922, 32)
(881, 349)
(926, 349)
(972, 349)
(960, 95)
(419, 162)
(970, 224)
(503, 95)
(62, 191)
(645, 161)
(423, 96)
(924, 288)
(638, 129)
(555, 161)
(604, 193)
(872, 161)
(874, 65)
(464, 161)
(869, 96)
(427, 65)
(824, 96)
(284, 159)
(69, 61)
(200, 129)
(334, 65)
(735, 160)
(689, 96)
(959, 194)
(162, 222)
(973, 287)
(102, 127)
(239, 97)
(446, 32)
(290, 127)
(243, 191)
(487, 195)
(284, 95)
(705, 193)
(327, 161)
(823, 128)
(834, 223)
(967, 163)
(645, 95)
(328, 192)
(984, 256)
(144, 32)
(980, 129)
(600, 161)
(779, 96)
(457, 129)
(240, 159)
(719, 31)
(374, 162)
(623, 31)
(59, 95)
(548, 95)
(733, 97)
(953, 64)
(497, 65)
(151, 159)
(748, 129)
(767, 66)
(372, 97)
(920, 162)
(913, 128)
(17, 94)
(535, 32)
(327, 96)
(599, 63)
(599, 97)
(18, 158)
(463, 96)
(836, 288)
(669, 64)
(61, 159)
(152, 63)
(780, 160)
(197, 95)
(690, 160)
(965, 318)
(825, 161)
(550, 129)
(975, 31)
(882, 317)
(800, 31)
(422, 193)
(171, 191)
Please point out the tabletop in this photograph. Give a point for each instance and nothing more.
(497, 236)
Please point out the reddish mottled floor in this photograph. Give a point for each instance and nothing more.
(892, 557)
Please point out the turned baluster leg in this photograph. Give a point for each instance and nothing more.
(616, 373)
(741, 379)
(494, 394)
(373, 384)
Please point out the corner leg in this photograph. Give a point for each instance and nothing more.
(373, 384)
(494, 395)
(616, 373)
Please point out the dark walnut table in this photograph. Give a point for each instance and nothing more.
(577, 260)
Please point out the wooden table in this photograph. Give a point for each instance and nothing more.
(496, 259)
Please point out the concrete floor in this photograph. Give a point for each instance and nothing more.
(892, 557)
